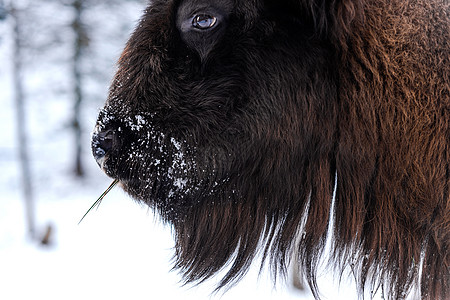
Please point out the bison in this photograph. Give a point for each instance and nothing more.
(266, 127)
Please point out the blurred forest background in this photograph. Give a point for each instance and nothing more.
(58, 59)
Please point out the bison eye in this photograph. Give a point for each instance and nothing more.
(204, 22)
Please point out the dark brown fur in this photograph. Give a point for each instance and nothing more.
(240, 146)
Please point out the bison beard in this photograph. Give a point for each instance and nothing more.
(238, 121)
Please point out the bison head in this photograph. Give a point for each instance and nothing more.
(238, 121)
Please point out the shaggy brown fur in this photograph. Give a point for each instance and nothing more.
(240, 133)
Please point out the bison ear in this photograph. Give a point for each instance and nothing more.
(333, 18)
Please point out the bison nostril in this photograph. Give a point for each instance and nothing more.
(102, 142)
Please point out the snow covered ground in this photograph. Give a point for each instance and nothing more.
(120, 251)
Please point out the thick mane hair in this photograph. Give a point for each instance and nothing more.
(372, 132)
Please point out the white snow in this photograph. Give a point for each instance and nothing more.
(138, 124)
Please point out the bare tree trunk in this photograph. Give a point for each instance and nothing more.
(81, 41)
(21, 123)
(3, 11)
